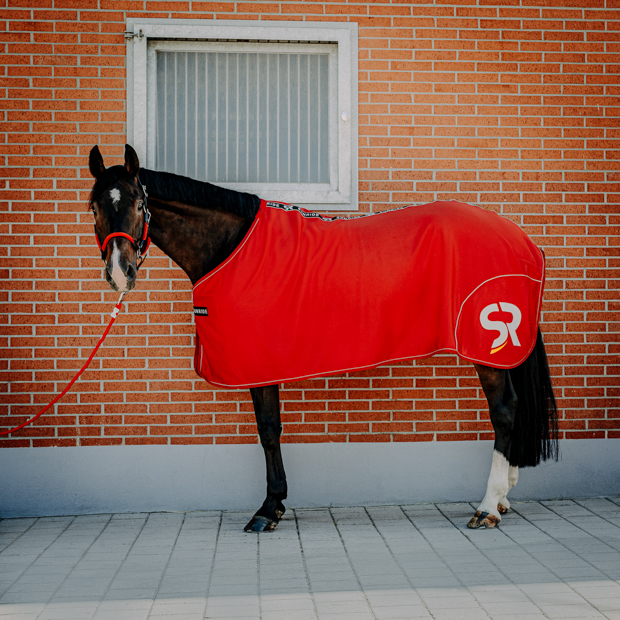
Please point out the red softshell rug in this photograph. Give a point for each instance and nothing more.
(305, 295)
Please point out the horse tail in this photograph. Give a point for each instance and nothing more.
(535, 433)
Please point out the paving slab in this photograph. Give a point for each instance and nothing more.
(550, 559)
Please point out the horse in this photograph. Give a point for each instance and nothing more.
(202, 228)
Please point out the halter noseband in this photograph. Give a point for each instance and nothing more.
(141, 245)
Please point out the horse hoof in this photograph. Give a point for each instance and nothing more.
(502, 509)
(483, 519)
(260, 524)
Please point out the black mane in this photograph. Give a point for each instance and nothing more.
(168, 186)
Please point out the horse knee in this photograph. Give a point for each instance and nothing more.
(270, 435)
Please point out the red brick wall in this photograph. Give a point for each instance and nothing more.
(511, 107)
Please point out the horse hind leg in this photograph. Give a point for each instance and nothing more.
(502, 400)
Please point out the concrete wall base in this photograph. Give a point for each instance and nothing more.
(88, 480)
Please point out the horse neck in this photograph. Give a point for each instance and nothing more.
(197, 239)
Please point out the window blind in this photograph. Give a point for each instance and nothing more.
(243, 116)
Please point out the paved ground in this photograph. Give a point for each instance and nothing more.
(557, 559)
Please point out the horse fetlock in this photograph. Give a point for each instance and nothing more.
(503, 506)
(280, 510)
(270, 508)
(490, 507)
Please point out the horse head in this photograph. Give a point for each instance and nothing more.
(119, 203)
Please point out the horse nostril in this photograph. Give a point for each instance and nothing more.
(131, 272)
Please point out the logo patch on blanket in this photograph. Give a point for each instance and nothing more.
(503, 328)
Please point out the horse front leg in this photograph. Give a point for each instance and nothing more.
(502, 399)
(267, 409)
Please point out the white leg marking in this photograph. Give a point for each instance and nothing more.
(513, 477)
(117, 273)
(115, 195)
(497, 486)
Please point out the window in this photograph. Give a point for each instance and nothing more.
(268, 109)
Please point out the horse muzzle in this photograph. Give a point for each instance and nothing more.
(120, 272)
(122, 284)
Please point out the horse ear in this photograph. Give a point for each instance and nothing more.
(131, 160)
(95, 162)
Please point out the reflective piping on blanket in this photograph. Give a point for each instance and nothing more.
(341, 371)
(237, 250)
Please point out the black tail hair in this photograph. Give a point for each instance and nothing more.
(535, 433)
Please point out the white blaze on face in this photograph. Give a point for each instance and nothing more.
(115, 195)
(117, 273)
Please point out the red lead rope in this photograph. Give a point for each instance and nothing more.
(113, 314)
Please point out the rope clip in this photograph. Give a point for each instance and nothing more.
(117, 308)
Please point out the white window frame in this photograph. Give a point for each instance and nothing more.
(145, 36)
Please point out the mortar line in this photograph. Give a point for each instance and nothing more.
(430, 544)
(398, 563)
(599, 516)
(260, 607)
(305, 565)
(568, 548)
(36, 519)
(163, 572)
(522, 547)
(490, 558)
(38, 556)
(76, 563)
(212, 567)
(359, 583)
(123, 561)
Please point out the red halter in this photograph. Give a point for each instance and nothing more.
(142, 245)
(136, 244)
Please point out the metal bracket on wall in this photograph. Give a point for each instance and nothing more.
(129, 34)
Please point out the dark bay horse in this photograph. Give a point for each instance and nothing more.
(200, 225)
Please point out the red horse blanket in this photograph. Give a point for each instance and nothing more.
(305, 295)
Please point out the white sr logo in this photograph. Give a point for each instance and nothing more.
(503, 328)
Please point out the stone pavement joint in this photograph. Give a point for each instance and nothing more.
(549, 559)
